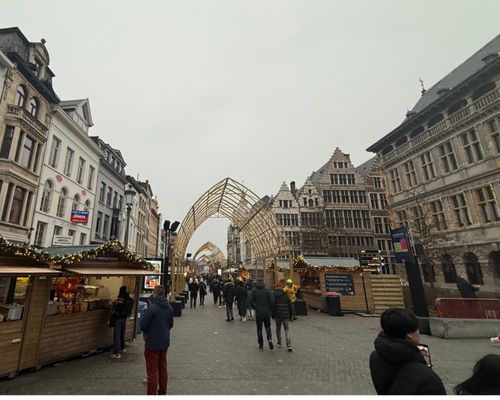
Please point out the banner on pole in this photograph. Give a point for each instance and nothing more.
(400, 244)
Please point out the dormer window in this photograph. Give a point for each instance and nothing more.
(20, 99)
(33, 107)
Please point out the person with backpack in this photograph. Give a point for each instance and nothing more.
(203, 292)
(122, 310)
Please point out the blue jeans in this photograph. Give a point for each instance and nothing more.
(267, 324)
(119, 335)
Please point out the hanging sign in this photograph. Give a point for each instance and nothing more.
(400, 245)
(79, 216)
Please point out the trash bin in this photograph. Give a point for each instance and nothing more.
(141, 307)
(333, 306)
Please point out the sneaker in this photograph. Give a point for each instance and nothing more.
(116, 356)
(232, 318)
(261, 348)
(228, 320)
(279, 345)
(123, 350)
(271, 345)
(290, 349)
(220, 306)
(244, 319)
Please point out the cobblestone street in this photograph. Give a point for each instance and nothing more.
(209, 356)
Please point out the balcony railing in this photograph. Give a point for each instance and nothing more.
(23, 113)
(446, 123)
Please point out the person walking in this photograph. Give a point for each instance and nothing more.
(283, 313)
(467, 291)
(397, 365)
(263, 303)
(485, 379)
(215, 290)
(203, 292)
(122, 310)
(156, 324)
(229, 294)
(249, 287)
(193, 292)
(241, 300)
(291, 290)
(220, 288)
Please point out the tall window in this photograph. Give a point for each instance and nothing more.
(374, 201)
(83, 239)
(34, 105)
(449, 271)
(27, 153)
(98, 224)
(411, 177)
(54, 152)
(68, 163)
(402, 218)
(71, 233)
(473, 269)
(438, 215)
(395, 181)
(378, 182)
(427, 166)
(102, 191)
(378, 225)
(105, 227)
(41, 228)
(109, 195)
(492, 127)
(47, 196)
(16, 208)
(90, 182)
(494, 261)
(76, 202)
(460, 210)
(20, 99)
(61, 204)
(81, 169)
(472, 147)
(87, 208)
(447, 156)
(487, 204)
(7, 142)
(383, 201)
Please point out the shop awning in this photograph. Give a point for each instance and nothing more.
(103, 271)
(20, 270)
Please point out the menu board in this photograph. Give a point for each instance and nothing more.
(343, 284)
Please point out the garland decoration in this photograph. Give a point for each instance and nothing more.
(13, 250)
(300, 263)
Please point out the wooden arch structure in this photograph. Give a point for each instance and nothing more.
(250, 213)
(216, 255)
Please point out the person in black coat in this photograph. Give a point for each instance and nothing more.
(193, 292)
(214, 289)
(283, 312)
(397, 365)
(485, 379)
(241, 299)
(120, 314)
(467, 291)
(203, 292)
(229, 295)
(220, 288)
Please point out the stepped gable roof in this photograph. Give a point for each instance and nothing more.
(468, 68)
(367, 167)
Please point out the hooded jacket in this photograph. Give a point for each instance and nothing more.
(156, 324)
(262, 301)
(398, 368)
(283, 308)
(229, 292)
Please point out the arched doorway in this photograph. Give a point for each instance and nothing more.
(448, 267)
(473, 269)
(250, 213)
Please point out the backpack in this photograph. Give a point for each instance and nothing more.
(129, 305)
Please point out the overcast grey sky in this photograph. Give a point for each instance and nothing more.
(192, 92)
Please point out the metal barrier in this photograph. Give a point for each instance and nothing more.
(468, 308)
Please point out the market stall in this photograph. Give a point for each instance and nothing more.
(81, 300)
(24, 283)
(324, 276)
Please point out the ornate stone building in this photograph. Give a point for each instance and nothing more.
(442, 166)
(25, 113)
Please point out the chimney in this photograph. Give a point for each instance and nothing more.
(292, 187)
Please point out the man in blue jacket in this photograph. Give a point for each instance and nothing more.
(156, 324)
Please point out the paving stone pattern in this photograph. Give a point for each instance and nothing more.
(210, 356)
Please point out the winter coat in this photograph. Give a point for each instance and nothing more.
(283, 308)
(229, 292)
(203, 288)
(398, 368)
(213, 286)
(156, 323)
(467, 291)
(291, 291)
(241, 298)
(262, 301)
(220, 287)
(193, 288)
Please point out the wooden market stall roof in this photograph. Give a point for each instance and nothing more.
(323, 262)
(250, 213)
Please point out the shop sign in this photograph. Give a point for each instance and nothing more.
(151, 281)
(343, 284)
(60, 240)
(79, 216)
(400, 244)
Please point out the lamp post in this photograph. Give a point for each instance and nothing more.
(129, 198)
(169, 229)
(363, 252)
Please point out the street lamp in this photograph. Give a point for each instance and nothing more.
(363, 252)
(168, 230)
(129, 198)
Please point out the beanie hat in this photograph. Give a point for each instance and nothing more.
(397, 322)
(289, 281)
